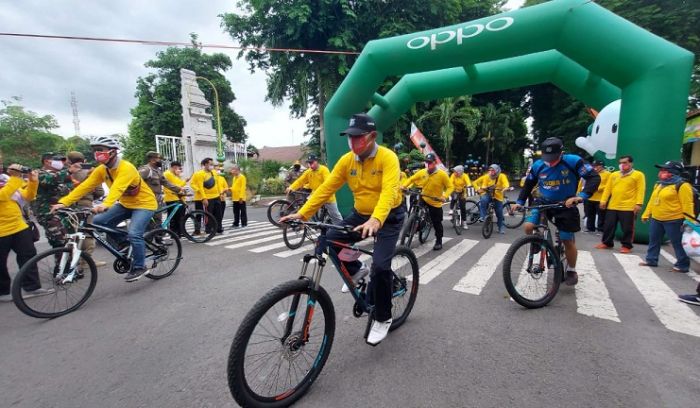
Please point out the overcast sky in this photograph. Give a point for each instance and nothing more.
(103, 75)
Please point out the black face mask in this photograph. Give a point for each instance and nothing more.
(297, 167)
(158, 164)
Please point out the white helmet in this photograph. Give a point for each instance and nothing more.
(107, 141)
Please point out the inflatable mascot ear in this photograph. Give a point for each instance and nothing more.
(603, 133)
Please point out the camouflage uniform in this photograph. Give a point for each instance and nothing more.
(52, 186)
(86, 203)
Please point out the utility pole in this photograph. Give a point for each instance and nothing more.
(76, 119)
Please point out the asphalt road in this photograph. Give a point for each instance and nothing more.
(165, 343)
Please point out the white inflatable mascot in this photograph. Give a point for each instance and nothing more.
(604, 132)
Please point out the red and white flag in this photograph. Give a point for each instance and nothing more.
(417, 138)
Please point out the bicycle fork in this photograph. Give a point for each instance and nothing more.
(74, 255)
(314, 276)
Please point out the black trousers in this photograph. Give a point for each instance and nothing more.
(22, 244)
(626, 220)
(592, 209)
(240, 214)
(220, 214)
(176, 221)
(436, 218)
(461, 199)
(213, 209)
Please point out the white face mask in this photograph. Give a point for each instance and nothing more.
(56, 164)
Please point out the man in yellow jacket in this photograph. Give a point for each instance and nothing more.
(173, 176)
(372, 173)
(437, 187)
(622, 200)
(15, 234)
(206, 196)
(129, 197)
(496, 180)
(238, 196)
(314, 176)
(591, 207)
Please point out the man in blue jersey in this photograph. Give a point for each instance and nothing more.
(556, 175)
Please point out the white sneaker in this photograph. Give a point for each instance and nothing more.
(378, 332)
(364, 271)
(100, 263)
(39, 292)
(450, 213)
(464, 225)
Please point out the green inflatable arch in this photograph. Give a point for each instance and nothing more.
(577, 45)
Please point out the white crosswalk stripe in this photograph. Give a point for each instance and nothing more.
(592, 297)
(249, 230)
(479, 274)
(253, 242)
(438, 265)
(676, 316)
(245, 236)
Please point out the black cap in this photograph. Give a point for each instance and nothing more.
(312, 158)
(360, 124)
(551, 149)
(53, 156)
(672, 167)
(598, 163)
(430, 158)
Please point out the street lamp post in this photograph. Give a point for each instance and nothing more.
(220, 156)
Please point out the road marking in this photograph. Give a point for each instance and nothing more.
(438, 265)
(302, 250)
(592, 296)
(268, 247)
(253, 242)
(676, 316)
(419, 252)
(476, 278)
(672, 260)
(244, 237)
(248, 230)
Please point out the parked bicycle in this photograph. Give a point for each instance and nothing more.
(283, 207)
(60, 268)
(192, 222)
(285, 339)
(534, 265)
(418, 220)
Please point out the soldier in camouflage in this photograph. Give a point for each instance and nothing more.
(54, 183)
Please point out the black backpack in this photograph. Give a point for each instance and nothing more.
(696, 195)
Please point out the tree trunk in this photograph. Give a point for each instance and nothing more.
(321, 109)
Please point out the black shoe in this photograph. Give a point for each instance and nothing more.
(135, 274)
(437, 246)
(571, 278)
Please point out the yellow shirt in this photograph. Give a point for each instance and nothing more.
(222, 184)
(624, 192)
(501, 183)
(314, 179)
(238, 186)
(11, 219)
(374, 183)
(118, 180)
(197, 183)
(667, 204)
(460, 183)
(604, 175)
(437, 184)
(176, 180)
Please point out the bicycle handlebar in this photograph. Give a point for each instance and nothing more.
(320, 225)
(544, 206)
(420, 193)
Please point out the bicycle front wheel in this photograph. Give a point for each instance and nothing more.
(276, 210)
(199, 226)
(407, 231)
(512, 219)
(532, 271)
(294, 235)
(457, 220)
(163, 253)
(270, 363)
(472, 212)
(404, 266)
(63, 290)
(425, 228)
(487, 228)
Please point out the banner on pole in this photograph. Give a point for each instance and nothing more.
(417, 137)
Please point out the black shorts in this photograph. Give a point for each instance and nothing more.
(566, 219)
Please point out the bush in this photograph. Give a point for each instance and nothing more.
(272, 186)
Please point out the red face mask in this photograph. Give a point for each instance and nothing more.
(664, 175)
(359, 144)
(103, 157)
(431, 167)
(313, 165)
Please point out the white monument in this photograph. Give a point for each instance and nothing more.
(197, 130)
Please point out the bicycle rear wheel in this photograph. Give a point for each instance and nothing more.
(163, 253)
(457, 220)
(294, 235)
(67, 289)
(512, 219)
(487, 228)
(276, 210)
(532, 271)
(270, 364)
(199, 226)
(472, 212)
(406, 275)
(425, 228)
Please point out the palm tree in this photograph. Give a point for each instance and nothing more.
(496, 122)
(448, 113)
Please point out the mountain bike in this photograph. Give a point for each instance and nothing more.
(512, 219)
(534, 265)
(487, 227)
(190, 221)
(283, 207)
(284, 341)
(295, 234)
(418, 220)
(61, 268)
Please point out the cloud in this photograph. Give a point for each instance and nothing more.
(103, 75)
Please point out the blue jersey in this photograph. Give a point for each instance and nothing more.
(560, 182)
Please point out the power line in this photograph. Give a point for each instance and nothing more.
(175, 43)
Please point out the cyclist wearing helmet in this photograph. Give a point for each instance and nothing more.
(129, 197)
(496, 179)
(460, 181)
(556, 175)
(372, 173)
(437, 187)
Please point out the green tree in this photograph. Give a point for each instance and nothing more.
(24, 134)
(502, 130)
(448, 113)
(158, 109)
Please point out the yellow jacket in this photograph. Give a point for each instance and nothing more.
(118, 180)
(374, 183)
(197, 183)
(314, 179)
(437, 184)
(624, 192)
(501, 183)
(238, 186)
(171, 177)
(667, 204)
(11, 218)
(221, 184)
(460, 183)
(604, 175)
